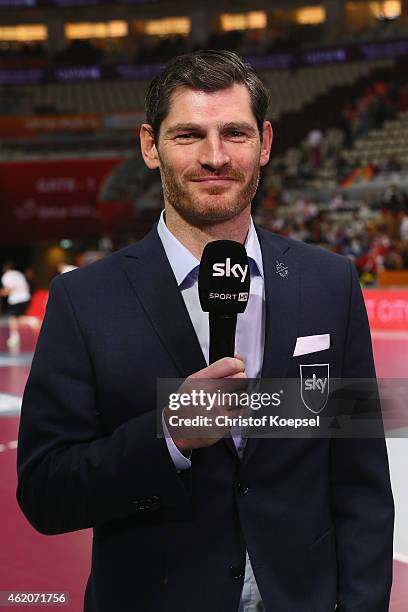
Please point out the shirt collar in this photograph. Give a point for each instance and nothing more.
(183, 262)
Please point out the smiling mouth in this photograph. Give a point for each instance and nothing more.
(212, 179)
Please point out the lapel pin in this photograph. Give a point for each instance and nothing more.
(281, 269)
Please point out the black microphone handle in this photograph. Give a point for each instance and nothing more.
(222, 335)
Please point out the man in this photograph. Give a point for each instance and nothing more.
(17, 291)
(204, 524)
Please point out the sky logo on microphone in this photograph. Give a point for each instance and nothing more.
(225, 269)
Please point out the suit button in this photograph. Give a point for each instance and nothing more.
(236, 571)
(242, 489)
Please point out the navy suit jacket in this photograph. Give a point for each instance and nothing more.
(316, 515)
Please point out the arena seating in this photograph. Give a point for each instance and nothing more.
(290, 90)
(391, 141)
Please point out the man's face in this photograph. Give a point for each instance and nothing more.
(209, 154)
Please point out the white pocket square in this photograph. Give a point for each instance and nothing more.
(311, 344)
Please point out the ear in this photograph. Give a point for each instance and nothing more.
(266, 143)
(148, 147)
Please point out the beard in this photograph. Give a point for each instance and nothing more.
(213, 204)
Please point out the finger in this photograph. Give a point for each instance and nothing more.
(238, 375)
(227, 366)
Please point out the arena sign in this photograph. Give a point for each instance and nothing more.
(52, 199)
(387, 309)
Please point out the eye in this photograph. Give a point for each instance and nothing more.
(187, 136)
(236, 134)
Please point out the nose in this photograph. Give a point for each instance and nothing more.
(213, 154)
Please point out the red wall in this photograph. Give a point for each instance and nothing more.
(47, 200)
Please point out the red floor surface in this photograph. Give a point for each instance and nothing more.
(13, 379)
(28, 339)
(32, 562)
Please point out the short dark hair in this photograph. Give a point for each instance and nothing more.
(207, 70)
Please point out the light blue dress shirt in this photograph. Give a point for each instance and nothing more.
(249, 343)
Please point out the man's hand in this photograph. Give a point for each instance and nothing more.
(225, 368)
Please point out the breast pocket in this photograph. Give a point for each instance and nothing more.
(328, 357)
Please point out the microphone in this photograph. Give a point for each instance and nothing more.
(223, 287)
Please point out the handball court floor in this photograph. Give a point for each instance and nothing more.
(32, 562)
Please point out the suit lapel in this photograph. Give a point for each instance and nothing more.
(282, 304)
(282, 308)
(150, 274)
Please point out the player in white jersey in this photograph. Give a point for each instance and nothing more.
(17, 291)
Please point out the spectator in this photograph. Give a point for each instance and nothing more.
(404, 228)
(314, 141)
